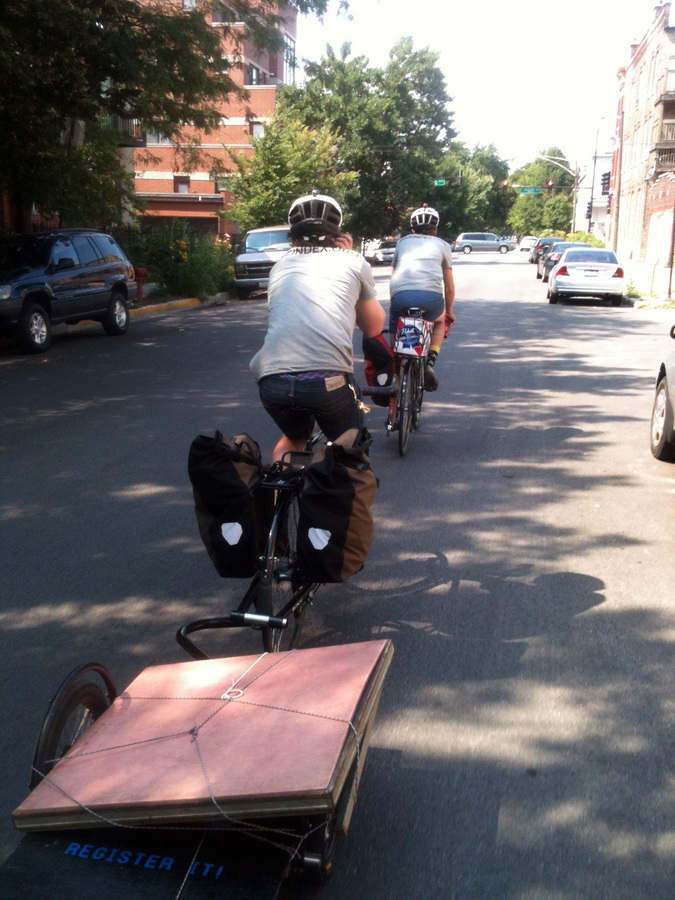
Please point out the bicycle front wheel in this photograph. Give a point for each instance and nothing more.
(406, 403)
(278, 593)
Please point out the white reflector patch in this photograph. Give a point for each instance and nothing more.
(232, 532)
(318, 537)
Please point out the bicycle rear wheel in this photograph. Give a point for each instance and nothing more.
(279, 593)
(419, 396)
(406, 401)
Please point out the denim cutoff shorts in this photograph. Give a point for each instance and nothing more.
(296, 400)
(432, 304)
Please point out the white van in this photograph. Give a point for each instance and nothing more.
(261, 248)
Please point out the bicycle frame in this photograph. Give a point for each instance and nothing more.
(411, 348)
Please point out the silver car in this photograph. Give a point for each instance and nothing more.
(662, 426)
(587, 272)
(469, 241)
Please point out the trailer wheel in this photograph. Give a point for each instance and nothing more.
(320, 848)
(75, 707)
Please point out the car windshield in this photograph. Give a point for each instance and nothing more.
(268, 240)
(24, 250)
(598, 256)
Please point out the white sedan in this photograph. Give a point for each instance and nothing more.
(587, 272)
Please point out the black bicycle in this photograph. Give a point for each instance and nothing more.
(406, 394)
(278, 595)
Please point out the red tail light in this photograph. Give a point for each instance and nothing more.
(563, 271)
(554, 257)
(618, 273)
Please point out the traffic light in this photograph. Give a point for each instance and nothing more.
(605, 182)
(549, 185)
(505, 184)
(589, 210)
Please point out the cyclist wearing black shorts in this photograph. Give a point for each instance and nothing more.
(422, 276)
(317, 293)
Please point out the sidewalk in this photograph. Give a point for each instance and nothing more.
(653, 282)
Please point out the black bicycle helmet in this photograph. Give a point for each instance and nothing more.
(315, 215)
(424, 217)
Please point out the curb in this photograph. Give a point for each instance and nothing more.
(138, 311)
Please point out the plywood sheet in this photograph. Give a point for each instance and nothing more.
(242, 736)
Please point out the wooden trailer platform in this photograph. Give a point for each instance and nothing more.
(192, 750)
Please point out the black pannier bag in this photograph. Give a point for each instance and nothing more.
(379, 359)
(233, 511)
(335, 528)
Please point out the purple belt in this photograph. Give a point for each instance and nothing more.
(310, 376)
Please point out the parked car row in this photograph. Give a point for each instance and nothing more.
(574, 269)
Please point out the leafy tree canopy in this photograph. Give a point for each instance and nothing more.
(290, 160)
(392, 126)
(86, 60)
(552, 209)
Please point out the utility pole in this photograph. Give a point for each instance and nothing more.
(595, 160)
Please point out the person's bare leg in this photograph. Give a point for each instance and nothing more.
(286, 445)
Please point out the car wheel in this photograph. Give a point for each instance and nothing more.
(466, 249)
(544, 278)
(538, 272)
(35, 329)
(243, 294)
(116, 319)
(616, 301)
(503, 249)
(553, 297)
(662, 424)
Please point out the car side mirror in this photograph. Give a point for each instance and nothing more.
(672, 332)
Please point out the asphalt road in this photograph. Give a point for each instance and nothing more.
(523, 566)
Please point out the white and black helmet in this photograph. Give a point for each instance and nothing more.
(425, 217)
(315, 215)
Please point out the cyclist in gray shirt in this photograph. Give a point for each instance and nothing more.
(317, 293)
(422, 276)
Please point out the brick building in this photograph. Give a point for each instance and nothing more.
(168, 192)
(642, 185)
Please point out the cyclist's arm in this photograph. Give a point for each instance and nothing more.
(370, 317)
(449, 285)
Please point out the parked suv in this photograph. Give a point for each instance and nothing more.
(481, 240)
(65, 275)
(261, 248)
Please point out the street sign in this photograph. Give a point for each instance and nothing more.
(527, 190)
(439, 182)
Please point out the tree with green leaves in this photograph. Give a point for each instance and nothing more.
(392, 126)
(290, 160)
(66, 68)
(552, 209)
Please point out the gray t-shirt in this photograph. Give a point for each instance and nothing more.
(419, 260)
(312, 297)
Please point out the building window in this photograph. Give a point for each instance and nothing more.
(604, 181)
(181, 184)
(189, 4)
(289, 60)
(257, 130)
(670, 77)
(154, 137)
